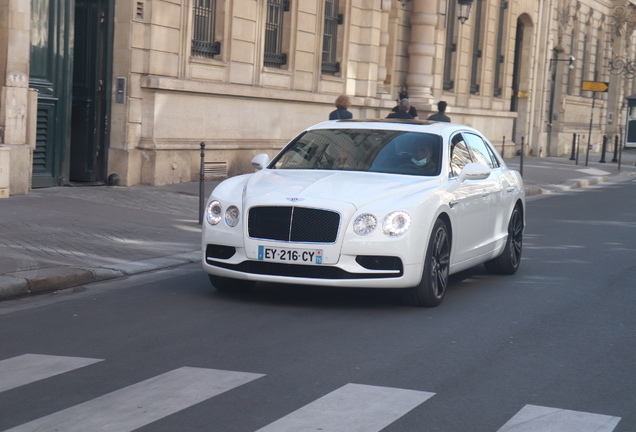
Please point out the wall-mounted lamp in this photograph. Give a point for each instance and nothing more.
(463, 12)
(404, 2)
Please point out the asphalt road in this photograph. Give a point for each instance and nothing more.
(556, 341)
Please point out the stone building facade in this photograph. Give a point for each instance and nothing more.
(93, 88)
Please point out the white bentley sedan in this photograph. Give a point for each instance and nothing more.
(397, 204)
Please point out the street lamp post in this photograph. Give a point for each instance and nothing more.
(553, 62)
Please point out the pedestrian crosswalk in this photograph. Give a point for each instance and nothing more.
(350, 408)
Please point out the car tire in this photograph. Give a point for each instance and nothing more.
(431, 290)
(508, 262)
(231, 285)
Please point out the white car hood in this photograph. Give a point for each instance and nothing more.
(357, 188)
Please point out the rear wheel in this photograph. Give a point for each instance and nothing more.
(508, 262)
(431, 290)
(231, 285)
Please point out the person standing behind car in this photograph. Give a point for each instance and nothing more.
(341, 113)
(403, 112)
(440, 116)
(412, 110)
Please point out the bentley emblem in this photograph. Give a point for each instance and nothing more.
(294, 199)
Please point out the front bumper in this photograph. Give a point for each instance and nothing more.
(361, 271)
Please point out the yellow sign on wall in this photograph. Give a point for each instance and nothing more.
(595, 86)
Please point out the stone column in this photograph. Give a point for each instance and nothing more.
(422, 51)
(15, 48)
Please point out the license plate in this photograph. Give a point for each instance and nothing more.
(300, 256)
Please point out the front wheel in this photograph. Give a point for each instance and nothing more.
(431, 290)
(508, 262)
(231, 285)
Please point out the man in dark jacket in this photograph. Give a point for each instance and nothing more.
(440, 116)
(403, 113)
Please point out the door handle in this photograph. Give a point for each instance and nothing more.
(485, 193)
(510, 189)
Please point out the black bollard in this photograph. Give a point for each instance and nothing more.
(503, 147)
(578, 138)
(603, 150)
(573, 146)
(202, 184)
(614, 159)
(521, 160)
(587, 152)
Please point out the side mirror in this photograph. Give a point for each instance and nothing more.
(474, 171)
(260, 161)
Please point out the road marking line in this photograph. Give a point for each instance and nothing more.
(351, 408)
(534, 418)
(135, 406)
(29, 368)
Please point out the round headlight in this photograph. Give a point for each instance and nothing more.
(232, 215)
(396, 223)
(364, 224)
(213, 212)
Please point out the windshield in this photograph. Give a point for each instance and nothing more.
(385, 151)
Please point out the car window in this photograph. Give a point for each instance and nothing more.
(460, 156)
(481, 151)
(386, 151)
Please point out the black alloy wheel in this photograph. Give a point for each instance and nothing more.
(508, 262)
(431, 290)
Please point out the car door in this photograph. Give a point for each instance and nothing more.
(491, 189)
(469, 205)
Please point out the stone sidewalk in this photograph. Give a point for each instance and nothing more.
(61, 237)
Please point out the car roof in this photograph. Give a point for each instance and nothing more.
(440, 128)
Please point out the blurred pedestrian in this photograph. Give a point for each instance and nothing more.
(440, 116)
(412, 111)
(341, 112)
(403, 111)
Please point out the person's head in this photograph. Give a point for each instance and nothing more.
(343, 102)
(404, 95)
(422, 152)
(441, 106)
(405, 105)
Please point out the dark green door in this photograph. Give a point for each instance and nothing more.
(50, 63)
(70, 63)
(88, 121)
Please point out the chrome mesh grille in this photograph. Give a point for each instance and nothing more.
(293, 224)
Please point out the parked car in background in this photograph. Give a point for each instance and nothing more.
(368, 203)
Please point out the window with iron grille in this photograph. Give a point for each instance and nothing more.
(274, 57)
(330, 39)
(474, 73)
(203, 29)
(450, 47)
(499, 59)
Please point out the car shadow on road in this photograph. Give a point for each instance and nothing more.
(337, 297)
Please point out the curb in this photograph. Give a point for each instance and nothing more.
(51, 279)
(578, 183)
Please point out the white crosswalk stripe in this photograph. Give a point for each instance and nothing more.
(29, 368)
(351, 408)
(534, 418)
(135, 406)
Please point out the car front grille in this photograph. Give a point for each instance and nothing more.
(293, 224)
